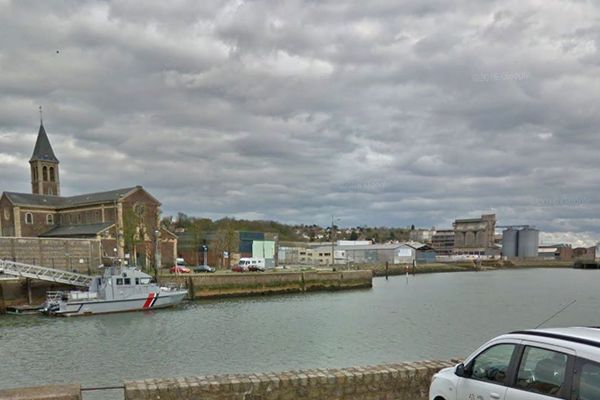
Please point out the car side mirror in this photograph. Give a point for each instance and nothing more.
(460, 370)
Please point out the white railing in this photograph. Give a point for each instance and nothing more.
(45, 274)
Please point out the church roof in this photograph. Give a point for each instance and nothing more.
(40, 200)
(43, 150)
(77, 230)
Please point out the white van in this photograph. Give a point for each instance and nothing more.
(252, 264)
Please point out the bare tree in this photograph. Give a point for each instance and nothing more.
(226, 239)
(197, 233)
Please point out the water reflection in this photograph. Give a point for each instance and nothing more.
(436, 316)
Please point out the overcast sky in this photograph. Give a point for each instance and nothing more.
(378, 112)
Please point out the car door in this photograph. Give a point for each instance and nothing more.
(542, 374)
(586, 382)
(486, 374)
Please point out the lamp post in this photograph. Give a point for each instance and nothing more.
(204, 251)
(276, 250)
(157, 258)
(332, 237)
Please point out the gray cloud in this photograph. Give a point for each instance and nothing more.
(380, 113)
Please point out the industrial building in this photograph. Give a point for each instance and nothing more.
(475, 236)
(422, 235)
(393, 253)
(442, 241)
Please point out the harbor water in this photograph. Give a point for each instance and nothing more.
(430, 316)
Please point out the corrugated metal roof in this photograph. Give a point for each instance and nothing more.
(415, 245)
(77, 230)
(26, 199)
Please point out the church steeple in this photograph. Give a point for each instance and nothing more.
(44, 166)
(43, 150)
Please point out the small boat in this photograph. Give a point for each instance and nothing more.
(119, 289)
(23, 310)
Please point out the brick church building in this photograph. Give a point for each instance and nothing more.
(125, 221)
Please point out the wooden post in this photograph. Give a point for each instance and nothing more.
(28, 284)
(386, 270)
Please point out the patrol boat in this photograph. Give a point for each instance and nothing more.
(119, 289)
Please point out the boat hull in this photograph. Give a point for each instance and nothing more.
(91, 307)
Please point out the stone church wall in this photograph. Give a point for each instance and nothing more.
(82, 255)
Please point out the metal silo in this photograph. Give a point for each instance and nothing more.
(529, 240)
(509, 242)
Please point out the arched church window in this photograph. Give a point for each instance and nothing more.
(45, 173)
(51, 174)
(29, 218)
(49, 219)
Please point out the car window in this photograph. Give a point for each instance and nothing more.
(542, 371)
(589, 381)
(491, 365)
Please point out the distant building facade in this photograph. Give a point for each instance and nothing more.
(422, 235)
(475, 236)
(442, 241)
(123, 219)
(560, 252)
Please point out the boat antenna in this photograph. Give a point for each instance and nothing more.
(556, 313)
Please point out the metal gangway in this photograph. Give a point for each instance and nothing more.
(45, 274)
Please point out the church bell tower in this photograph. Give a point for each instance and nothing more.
(44, 166)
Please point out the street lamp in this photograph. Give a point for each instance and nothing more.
(276, 250)
(332, 237)
(157, 258)
(204, 250)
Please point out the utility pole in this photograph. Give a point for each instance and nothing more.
(332, 237)
(276, 250)
(157, 256)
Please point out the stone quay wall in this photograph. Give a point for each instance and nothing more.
(241, 284)
(406, 381)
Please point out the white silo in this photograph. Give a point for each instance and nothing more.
(528, 243)
(509, 242)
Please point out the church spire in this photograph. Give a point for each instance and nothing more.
(44, 165)
(43, 150)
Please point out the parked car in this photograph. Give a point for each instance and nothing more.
(256, 268)
(538, 364)
(239, 268)
(204, 268)
(180, 269)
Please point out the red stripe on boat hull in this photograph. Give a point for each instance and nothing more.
(149, 300)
